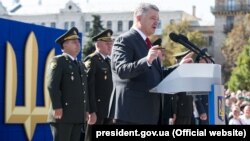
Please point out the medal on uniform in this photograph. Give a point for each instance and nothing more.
(72, 76)
(105, 77)
(70, 67)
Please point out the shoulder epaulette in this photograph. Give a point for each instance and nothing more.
(90, 56)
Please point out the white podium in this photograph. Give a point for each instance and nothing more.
(196, 79)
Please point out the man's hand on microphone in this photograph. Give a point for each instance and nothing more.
(153, 53)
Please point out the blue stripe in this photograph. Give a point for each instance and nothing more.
(211, 108)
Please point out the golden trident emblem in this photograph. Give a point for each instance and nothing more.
(29, 114)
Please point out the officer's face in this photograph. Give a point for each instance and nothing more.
(72, 47)
(105, 47)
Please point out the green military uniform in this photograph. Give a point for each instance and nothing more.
(100, 85)
(99, 80)
(183, 103)
(67, 86)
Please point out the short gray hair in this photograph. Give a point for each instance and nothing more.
(144, 8)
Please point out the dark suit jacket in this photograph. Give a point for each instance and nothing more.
(68, 89)
(131, 100)
(99, 85)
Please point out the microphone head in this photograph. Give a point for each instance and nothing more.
(183, 37)
(157, 42)
(173, 36)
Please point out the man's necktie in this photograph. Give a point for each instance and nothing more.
(107, 60)
(75, 62)
(148, 43)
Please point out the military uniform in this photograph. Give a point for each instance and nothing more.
(67, 86)
(100, 85)
(99, 79)
(68, 89)
(201, 101)
(183, 103)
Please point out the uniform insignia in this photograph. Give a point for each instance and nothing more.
(87, 63)
(70, 66)
(109, 34)
(53, 65)
(72, 76)
(105, 77)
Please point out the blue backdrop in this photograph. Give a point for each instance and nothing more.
(17, 33)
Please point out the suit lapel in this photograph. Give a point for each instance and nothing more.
(156, 63)
(140, 39)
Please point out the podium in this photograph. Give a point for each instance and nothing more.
(198, 79)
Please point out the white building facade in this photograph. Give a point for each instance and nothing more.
(72, 14)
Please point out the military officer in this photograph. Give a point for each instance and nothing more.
(99, 76)
(183, 103)
(201, 101)
(99, 79)
(67, 86)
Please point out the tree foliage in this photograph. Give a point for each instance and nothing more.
(240, 78)
(96, 28)
(234, 43)
(172, 47)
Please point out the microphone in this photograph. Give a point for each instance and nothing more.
(194, 46)
(202, 52)
(176, 38)
(157, 42)
(186, 43)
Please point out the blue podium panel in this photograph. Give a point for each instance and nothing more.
(216, 103)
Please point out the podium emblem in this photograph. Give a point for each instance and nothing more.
(221, 108)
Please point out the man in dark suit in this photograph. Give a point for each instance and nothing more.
(67, 86)
(99, 80)
(135, 70)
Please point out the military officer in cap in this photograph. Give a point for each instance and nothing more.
(67, 86)
(183, 103)
(99, 78)
(201, 101)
